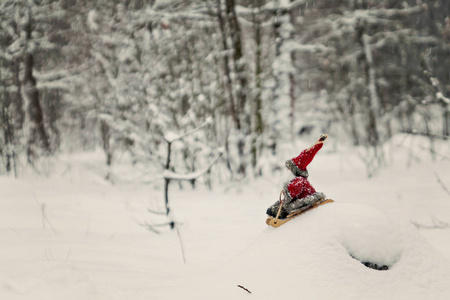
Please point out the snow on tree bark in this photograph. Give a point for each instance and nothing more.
(282, 70)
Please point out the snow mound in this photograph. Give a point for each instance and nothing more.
(367, 234)
(313, 257)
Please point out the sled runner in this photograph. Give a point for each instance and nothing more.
(276, 222)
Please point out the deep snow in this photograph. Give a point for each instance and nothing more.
(74, 236)
(310, 259)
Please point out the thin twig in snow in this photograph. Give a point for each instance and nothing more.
(181, 243)
(48, 252)
(244, 289)
(441, 156)
(150, 227)
(437, 224)
(441, 183)
(68, 253)
(156, 212)
(44, 216)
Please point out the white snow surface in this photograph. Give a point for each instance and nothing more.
(74, 236)
(309, 259)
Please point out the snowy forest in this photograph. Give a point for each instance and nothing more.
(126, 75)
(143, 146)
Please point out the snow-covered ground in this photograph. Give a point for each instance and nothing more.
(74, 236)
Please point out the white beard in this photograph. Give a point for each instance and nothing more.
(284, 178)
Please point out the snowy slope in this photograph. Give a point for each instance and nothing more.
(309, 258)
(74, 236)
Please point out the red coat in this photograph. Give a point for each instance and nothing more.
(297, 188)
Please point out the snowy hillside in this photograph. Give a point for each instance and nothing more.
(312, 259)
(74, 236)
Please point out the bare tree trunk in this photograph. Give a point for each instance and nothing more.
(167, 180)
(257, 122)
(282, 73)
(242, 82)
(238, 57)
(374, 109)
(439, 95)
(229, 82)
(106, 141)
(374, 156)
(429, 134)
(37, 136)
(446, 125)
(7, 137)
(292, 84)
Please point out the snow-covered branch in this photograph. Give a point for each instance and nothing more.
(309, 48)
(167, 174)
(390, 13)
(60, 74)
(62, 80)
(378, 16)
(55, 85)
(271, 7)
(171, 137)
(106, 67)
(442, 98)
(284, 5)
(152, 15)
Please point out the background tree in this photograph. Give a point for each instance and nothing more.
(77, 75)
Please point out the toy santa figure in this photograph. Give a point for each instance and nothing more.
(298, 192)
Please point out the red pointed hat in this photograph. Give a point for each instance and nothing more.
(298, 164)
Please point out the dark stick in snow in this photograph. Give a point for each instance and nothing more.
(441, 183)
(244, 289)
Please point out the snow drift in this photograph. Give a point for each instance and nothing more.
(75, 236)
(317, 256)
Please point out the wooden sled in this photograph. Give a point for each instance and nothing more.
(276, 222)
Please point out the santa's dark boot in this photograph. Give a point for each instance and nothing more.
(273, 210)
